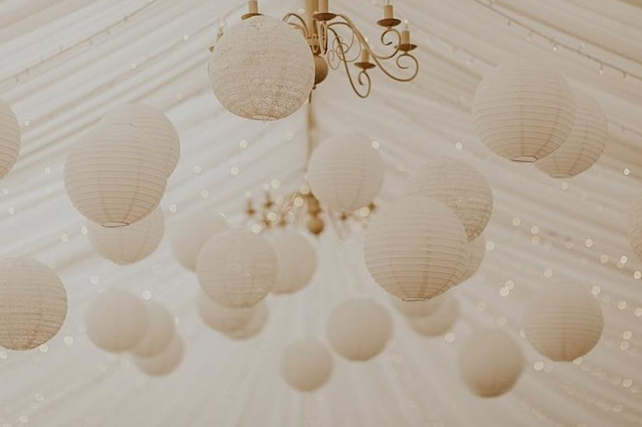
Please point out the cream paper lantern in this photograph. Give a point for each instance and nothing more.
(33, 304)
(346, 173)
(115, 175)
(258, 321)
(237, 268)
(10, 139)
(164, 363)
(584, 146)
(116, 321)
(221, 318)
(490, 362)
(563, 322)
(635, 226)
(416, 248)
(160, 331)
(359, 329)
(460, 187)
(262, 69)
(306, 365)
(441, 320)
(190, 236)
(297, 260)
(476, 253)
(421, 308)
(523, 111)
(130, 244)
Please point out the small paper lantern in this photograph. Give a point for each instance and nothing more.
(359, 329)
(160, 331)
(116, 321)
(460, 187)
(130, 244)
(33, 304)
(164, 363)
(635, 226)
(255, 326)
(476, 253)
(441, 320)
(524, 111)
(490, 362)
(262, 69)
(10, 139)
(346, 173)
(306, 365)
(192, 233)
(297, 260)
(237, 268)
(223, 319)
(416, 248)
(421, 308)
(563, 322)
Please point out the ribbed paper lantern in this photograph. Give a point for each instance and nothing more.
(297, 260)
(262, 69)
(460, 187)
(164, 363)
(192, 233)
(635, 226)
(441, 320)
(563, 322)
(421, 308)
(523, 111)
(359, 329)
(416, 248)
(346, 173)
(223, 319)
(237, 268)
(33, 304)
(127, 245)
(116, 321)
(584, 146)
(160, 331)
(306, 365)
(490, 362)
(10, 139)
(258, 321)
(476, 253)
(115, 175)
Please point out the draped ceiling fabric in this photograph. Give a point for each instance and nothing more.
(66, 62)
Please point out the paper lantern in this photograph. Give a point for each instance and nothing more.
(563, 322)
(524, 111)
(635, 226)
(130, 244)
(476, 253)
(306, 365)
(10, 139)
(441, 320)
(192, 233)
(221, 318)
(237, 268)
(297, 260)
(346, 173)
(460, 187)
(416, 248)
(33, 304)
(262, 69)
(490, 362)
(359, 329)
(164, 363)
(116, 321)
(115, 175)
(160, 331)
(421, 308)
(255, 326)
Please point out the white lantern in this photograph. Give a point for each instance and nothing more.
(164, 363)
(416, 248)
(160, 331)
(255, 326)
(237, 268)
(306, 365)
(490, 362)
(524, 111)
(33, 304)
(346, 173)
(10, 139)
(460, 187)
(192, 233)
(635, 226)
(563, 322)
(297, 260)
(476, 253)
(262, 69)
(441, 320)
(130, 244)
(421, 308)
(223, 319)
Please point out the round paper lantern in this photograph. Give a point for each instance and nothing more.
(635, 226)
(416, 248)
(164, 363)
(255, 326)
(524, 111)
(563, 322)
(346, 173)
(116, 321)
(359, 329)
(10, 139)
(262, 69)
(476, 252)
(190, 236)
(33, 304)
(297, 260)
(421, 308)
(127, 245)
(306, 365)
(490, 362)
(222, 318)
(237, 268)
(115, 175)
(584, 146)
(460, 187)
(160, 331)
(441, 320)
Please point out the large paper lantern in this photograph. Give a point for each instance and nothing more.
(635, 226)
(460, 187)
(33, 304)
(190, 236)
(262, 69)
(221, 318)
(306, 365)
(115, 175)
(563, 322)
(346, 173)
(159, 334)
(441, 320)
(584, 146)
(258, 321)
(490, 362)
(10, 139)
(127, 245)
(421, 308)
(359, 329)
(476, 253)
(163, 363)
(524, 111)
(297, 260)
(416, 248)
(237, 268)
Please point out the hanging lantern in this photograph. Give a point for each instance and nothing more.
(164, 363)
(306, 365)
(255, 326)
(10, 139)
(159, 334)
(192, 233)
(441, 320)
(221, 318)
(414, 309)
(297, 260)
(476, 253)
(635, 226)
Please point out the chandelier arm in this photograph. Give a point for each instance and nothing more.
(347, 47)
(301, 25)
(342, 59)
